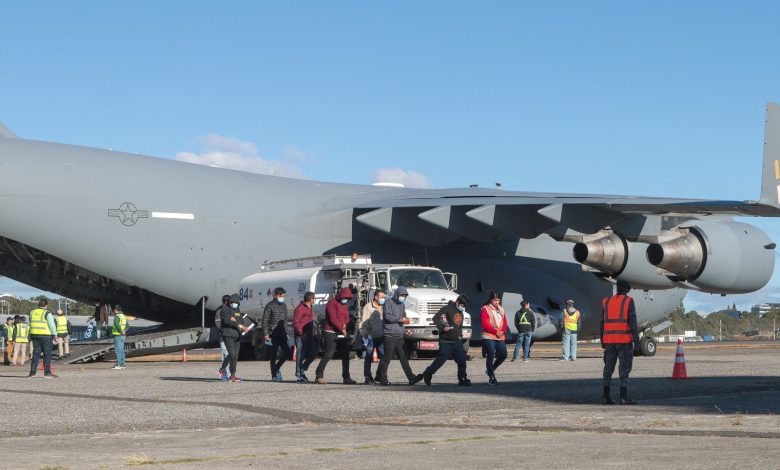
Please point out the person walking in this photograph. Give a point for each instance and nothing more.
(303, 334)
(63, 334)
(223, 353)
(494, 328)
(372, 331)
(570, 324)
(394, 318)
(275, 330)
(449, 321)
(119, 333)
(336, 336)
(619, 334)
(42, 332)
(9, 341)
(231, 333)
(21, 340)
(525, 322)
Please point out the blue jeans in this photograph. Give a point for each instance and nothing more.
(569, 345)
(119, 348)
(496, 353)
(368, 358)
(305, 353)
(524, 340)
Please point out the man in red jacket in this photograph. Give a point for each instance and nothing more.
(336, 335)
(303, 330)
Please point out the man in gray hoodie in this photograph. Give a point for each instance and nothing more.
(394, 321)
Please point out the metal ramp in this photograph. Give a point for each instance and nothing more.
(143, 345)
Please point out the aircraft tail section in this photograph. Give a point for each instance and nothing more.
(5, 132)
(770, 174)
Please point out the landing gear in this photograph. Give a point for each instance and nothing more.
(647, 346)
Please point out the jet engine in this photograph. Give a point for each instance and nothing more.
(612, 255)
(715, 257)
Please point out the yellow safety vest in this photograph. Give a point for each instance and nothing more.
(38, 324)
(122, 325)
(570, 321)
(523, 320)
(62, 324)
(22, 333)
(9, 330)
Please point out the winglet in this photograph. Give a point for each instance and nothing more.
(4, 132)
(770, 175)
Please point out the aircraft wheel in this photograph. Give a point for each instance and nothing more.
(647, 346)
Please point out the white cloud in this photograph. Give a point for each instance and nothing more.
(291, 152)
(236, 154)
(409, 178)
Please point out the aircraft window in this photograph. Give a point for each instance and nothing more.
(418, 278)
(383, 281)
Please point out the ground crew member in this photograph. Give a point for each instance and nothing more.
(394, 316)
(303, 332)
(619, 333)
(231, 328)
(42, 331)
(372, 331)
(570, 324)
(218, 323)
(275, 330)
(9, 340)
(525, 322)
(494, 328)
(119, 332)
(21, 339)
(336, 336)
(63, 333)
(449, 321)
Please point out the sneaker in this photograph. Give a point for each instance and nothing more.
(512, 360)
(222, 374)
(384, 383)
(31, 375)
(50, 376)
(116, 367)
(492, 381)
(349, 381)
(234, 379)
(320, 380)
(305, 379)
(427, 379)
(572, 359)
(525, 360)
(464, 382)
(122, 367)
(302, 380)
(417, 378)
(369, 381)
(277, 377)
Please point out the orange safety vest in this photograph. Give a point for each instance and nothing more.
(616, 328)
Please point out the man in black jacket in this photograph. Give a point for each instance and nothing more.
(449, 321)
(275, 328)
(230, 322)
(525, 322)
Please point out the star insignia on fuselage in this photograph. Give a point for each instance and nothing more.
(128, 214)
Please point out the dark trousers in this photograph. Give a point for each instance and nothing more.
(41, 343)
(231, 344)
(394, 346)
(496, 354)
(377, 343)
(449, 350)
(305, 353)
(335, 344)
(613, 352)
(278, 353)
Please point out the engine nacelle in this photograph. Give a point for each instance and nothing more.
(716, 257)
(620, 259)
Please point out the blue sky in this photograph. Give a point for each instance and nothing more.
(540, 96)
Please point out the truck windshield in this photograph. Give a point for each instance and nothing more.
(418, 278)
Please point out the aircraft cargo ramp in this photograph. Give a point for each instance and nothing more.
(144, 344)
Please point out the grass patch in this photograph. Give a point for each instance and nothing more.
(327, 449)
(470, 438)
(280, 453)
(57, 467)
(422, 443)
(137, 461)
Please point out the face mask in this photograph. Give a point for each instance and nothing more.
(401, 299)
(461, 308)
(234, 305)
(280, 300)
(344, 301)
(381, 301)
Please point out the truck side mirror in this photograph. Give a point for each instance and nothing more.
(452, 280)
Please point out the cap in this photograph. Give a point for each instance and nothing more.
(60, 312)
(235, 298)
(569, 302)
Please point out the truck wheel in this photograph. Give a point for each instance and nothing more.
(647, 346)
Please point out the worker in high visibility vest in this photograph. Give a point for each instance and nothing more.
(21, 338)
(42, 331)
(9, 340)
(119, 331)
(63, 334)
(619, 333)
(570, 324)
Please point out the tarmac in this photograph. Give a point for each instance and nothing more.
(543, 414)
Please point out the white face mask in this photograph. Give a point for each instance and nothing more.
(233, 305)
(344, 301)
(280, 300)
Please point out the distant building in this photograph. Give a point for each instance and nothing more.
(763, 309)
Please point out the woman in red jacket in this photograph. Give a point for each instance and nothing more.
(494, 327)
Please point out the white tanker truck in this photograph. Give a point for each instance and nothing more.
(429, 290)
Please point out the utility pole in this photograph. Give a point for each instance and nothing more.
(720, 327)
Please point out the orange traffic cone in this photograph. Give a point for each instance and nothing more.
(184, 355)
(375, 357)
(295, 351)
(679, 371)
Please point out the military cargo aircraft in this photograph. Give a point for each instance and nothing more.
(160, 236)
